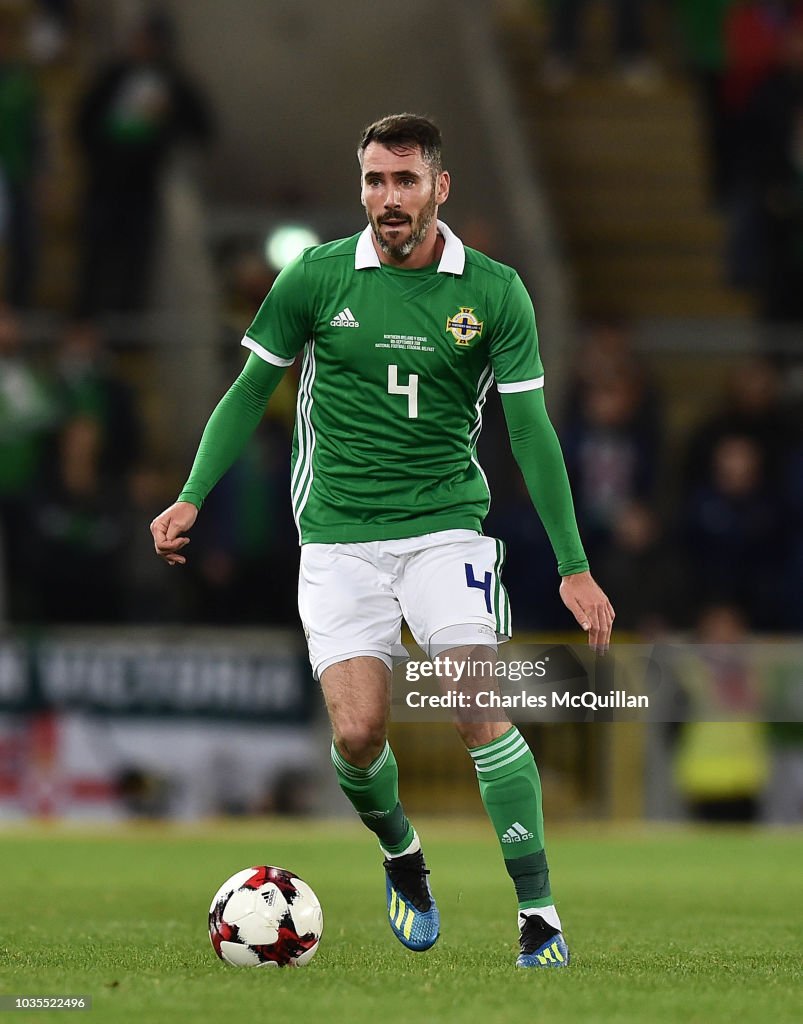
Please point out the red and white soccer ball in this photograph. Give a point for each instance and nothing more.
(265, 917)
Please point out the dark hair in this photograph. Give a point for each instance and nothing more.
(405, 130)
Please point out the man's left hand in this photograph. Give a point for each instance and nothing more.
(587, 602)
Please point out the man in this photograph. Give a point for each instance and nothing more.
(135, 113)
(404, 330)
(21, 163)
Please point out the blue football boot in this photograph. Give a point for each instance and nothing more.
(541, 944)
(412, 911)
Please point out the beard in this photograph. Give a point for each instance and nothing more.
(419, 227)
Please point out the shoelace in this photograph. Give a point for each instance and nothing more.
(409, 877)
(534, 933)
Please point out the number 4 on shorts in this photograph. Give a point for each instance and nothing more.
(484, 584)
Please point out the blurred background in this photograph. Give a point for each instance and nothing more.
(640, 162)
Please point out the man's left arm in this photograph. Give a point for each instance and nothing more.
(537, 451)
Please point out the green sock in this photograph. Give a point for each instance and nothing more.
(511, 791)
(374, 794)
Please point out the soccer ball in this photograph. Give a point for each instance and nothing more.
(265, 917)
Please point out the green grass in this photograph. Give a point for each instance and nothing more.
(664, 926)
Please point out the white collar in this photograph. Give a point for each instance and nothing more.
(453, 257)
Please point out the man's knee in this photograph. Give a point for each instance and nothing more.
(357, 692)
(360, 743)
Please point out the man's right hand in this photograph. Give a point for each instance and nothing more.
(168, 531)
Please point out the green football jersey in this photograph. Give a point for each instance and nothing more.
(396, 368)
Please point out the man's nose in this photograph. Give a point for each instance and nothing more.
(393, 198)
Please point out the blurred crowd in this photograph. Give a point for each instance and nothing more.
(131, 114)
(745, 60)
(78, 488)
(670, 532)
(673, 526)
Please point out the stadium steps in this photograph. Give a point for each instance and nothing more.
(625, 173)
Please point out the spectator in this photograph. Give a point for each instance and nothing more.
(89, 386)
(754, 34)
(607, 351)
(29, 412)
(776, 114)
(732, 522)
(754, 31)
(77, 533)
(721, 764)
(132, 117)
(20, 161)
(247, 547)
(611, 457)
(646, 573)
(751, 408)
(702, 28)
(148, 596)
(50, 30)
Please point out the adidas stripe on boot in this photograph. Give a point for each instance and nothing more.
(412, 911)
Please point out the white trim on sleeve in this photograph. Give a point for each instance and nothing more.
(263, 353)
(521, 385)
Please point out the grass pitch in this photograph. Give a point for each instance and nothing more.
(663, 925)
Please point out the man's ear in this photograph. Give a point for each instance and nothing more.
(442, 191)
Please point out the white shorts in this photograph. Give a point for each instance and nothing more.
(352, 597)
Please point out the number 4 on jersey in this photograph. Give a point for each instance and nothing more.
(410, 389)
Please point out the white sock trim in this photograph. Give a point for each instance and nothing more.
(414, 847)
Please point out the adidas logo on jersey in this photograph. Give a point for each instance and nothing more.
(517, 833)
(345, 318)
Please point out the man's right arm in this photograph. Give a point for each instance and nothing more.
(234, 419)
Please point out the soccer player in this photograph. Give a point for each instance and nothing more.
(404, 329)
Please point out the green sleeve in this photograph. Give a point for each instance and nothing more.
(536, 449)
(285, 320)
(234, 419)
(513, 344)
